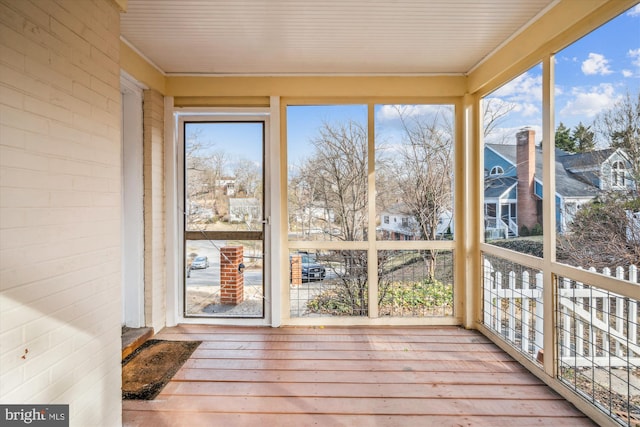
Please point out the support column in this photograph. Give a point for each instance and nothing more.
(231, 279)
(296, 270)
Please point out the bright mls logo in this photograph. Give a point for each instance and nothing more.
(35, 415)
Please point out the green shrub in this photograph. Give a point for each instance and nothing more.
(536, 230)
(407, 296)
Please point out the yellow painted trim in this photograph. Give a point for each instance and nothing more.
(222, 101)
(548, 215)
(468, 192)
(325, 87)
(285, 294)
(373, 245)
(598, 280)
(120, 4)
(140, 69)
(372, 251)
(546, 36)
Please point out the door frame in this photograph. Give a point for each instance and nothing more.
(132, 225)
(175, 241)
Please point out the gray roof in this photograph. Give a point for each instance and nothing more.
(567, 184)
(497, 186)
(591, 159)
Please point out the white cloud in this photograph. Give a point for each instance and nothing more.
(523, 97)
(634, 54)
(588, 103)
(525, 87)
(596, 64)
(634, 11)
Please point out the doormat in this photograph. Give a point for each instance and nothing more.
(149, 368)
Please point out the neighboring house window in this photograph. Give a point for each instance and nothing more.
(386, 219)
(496, 170)
(618, 174)
(405, 222)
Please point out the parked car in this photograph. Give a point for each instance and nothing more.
(200, 262)
(311, 268)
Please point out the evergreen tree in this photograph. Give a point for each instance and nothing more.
(583, 138)
(564, 140)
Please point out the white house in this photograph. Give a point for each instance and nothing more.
(397, 222)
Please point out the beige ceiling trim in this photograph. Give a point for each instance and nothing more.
(140, 68)
(318, 86)
(317, 75)
(142, 55)
(221, 101)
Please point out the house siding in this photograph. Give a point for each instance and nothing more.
(493, 159)
(60, 204)
(154, 203)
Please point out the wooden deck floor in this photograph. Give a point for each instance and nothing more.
(349, 377)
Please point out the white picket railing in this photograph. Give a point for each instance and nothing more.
(595, 327)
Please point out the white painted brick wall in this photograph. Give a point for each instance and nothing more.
(60, 196)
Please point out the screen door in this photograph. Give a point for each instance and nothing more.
(224, 219)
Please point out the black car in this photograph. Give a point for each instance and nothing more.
(311, 269)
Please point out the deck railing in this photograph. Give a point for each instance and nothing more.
(597, 336)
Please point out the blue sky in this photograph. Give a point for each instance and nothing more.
(303, 123)
(238, 140)
(590, 75)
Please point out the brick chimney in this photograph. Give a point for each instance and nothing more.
(526, 169)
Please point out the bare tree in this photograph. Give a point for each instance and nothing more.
(419, 174)
(333, 180)
(494, 113)
(338, 173)
(620, 125)
(204, 170)
(424, 170)
(248, 176)
(602, 234)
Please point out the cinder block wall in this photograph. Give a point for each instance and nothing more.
(154, 219)
(60, 207)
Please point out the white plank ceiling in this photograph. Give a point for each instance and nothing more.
(318, 37)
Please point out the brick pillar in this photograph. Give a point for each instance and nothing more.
(296, 270)
(231, 280)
